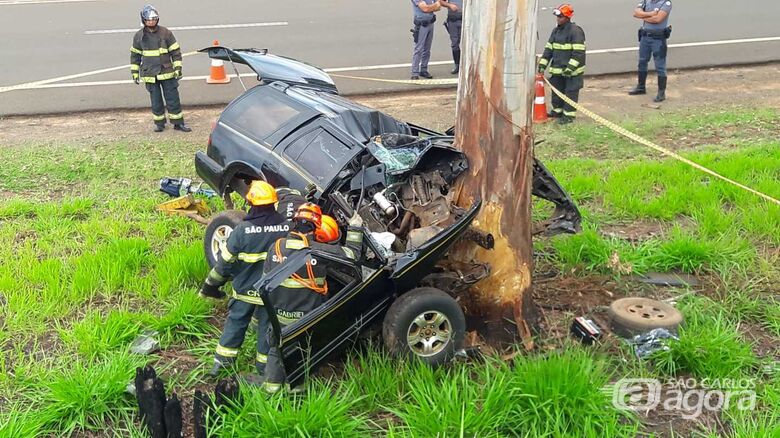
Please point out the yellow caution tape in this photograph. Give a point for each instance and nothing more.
(626, 133)
(448, 81)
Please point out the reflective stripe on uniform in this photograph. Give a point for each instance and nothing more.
(559, 46)
(548, 45)
(134, 50)
(557, 110)
(247, 299)
(295, 284)
(248, 257)
(272, 388)
(149, 79)
(573, 62)
(226, 255)
(580, 47)
(174, 46)
(215, 277)
(165, 76)
(176, 64)
(226, 351)
(556, 70)
(178, 116)
(570, 113)
(544, 61)
(262, 358)
(294, 244)
(134, 67)
(158, 118)
(578, 71)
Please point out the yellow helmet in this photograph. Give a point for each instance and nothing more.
(261, 193)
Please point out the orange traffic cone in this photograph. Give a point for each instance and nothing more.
(540, 108)
(217, 74)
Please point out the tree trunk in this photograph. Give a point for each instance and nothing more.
(493, 128)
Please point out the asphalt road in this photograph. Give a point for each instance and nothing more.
(55, 39)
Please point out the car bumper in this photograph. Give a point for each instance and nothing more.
(211, 171)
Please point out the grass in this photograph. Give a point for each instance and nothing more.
(88, 264)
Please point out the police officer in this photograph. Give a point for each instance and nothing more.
(564, 54)
(155, 60)
(241, 260)
(653, 34)
(307, 289)
(422, 34)
(453, 25)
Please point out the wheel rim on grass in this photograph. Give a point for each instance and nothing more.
(429, 333)
(219, 239)
(647, 311)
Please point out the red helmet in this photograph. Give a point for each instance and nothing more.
(329, 230)
(565, 9)
(309, 212)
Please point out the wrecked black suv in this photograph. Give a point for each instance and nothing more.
(294, 130)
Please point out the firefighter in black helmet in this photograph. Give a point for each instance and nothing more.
(242, 259)
(155, 60)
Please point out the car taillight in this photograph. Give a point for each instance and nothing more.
(213, 127)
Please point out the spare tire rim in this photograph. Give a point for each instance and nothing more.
(646, 311)
(219, 239)
(429, 333)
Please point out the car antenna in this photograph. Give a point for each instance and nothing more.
(235, 69)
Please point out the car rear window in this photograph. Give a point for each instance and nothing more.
(319, 153)
(259, 115)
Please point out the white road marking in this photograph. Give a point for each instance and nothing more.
(207, 26)
(50, 83)
(39, 2)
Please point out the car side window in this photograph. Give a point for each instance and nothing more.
(319, 153)
(259, 115)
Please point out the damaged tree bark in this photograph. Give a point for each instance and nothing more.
(493, 128)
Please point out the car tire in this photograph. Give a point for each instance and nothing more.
(425, 324)
(634, 315)
(218, 230)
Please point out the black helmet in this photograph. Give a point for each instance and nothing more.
(149, 13)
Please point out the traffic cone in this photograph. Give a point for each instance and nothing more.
(217, 74)
(540, 107)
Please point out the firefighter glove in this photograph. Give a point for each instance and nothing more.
(211, 291)
(135, 79)
(540, 68)
(567, 72)
(177, 73)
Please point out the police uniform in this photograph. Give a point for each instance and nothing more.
(242, 260)
(155, 59)
(304, 291)
(422, 35)
(454, 26)
(652, 42)
(564, 58)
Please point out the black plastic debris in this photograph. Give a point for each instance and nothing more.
(655, 340)
(587, 331)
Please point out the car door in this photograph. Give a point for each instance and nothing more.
(363, 295)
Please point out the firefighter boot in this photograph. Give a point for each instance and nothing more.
(640, 86)
(158, 127)
(182, 127)
(661, 96)
(219, 365)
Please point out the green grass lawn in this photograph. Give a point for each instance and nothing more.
(88, 264)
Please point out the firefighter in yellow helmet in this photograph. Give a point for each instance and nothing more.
(306, 289)
(242, 259)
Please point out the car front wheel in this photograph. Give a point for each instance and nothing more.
(218, 231)
(424, 323)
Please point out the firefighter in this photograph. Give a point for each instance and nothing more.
(242, 260)
(453, 25)
(307, 289)
(564, 55)
(653, 34)
(155, 60)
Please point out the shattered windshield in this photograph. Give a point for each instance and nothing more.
(399, 159)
